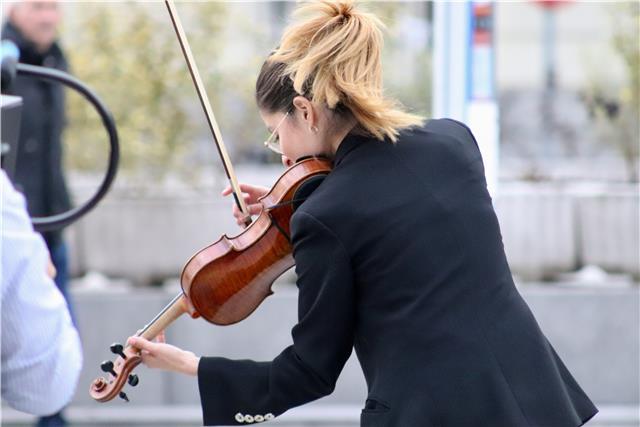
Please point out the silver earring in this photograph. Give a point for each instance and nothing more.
(314, 129)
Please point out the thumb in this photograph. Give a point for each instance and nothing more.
(141, 343)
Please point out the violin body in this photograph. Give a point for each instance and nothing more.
(226, 281)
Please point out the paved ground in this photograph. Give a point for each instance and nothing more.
(310, 416)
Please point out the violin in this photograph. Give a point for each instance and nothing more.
(227, 280)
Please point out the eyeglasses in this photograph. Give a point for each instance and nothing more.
(273, 142)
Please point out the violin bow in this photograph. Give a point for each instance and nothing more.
(206, 106)
(104, 389)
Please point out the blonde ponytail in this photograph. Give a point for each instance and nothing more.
(332, 55)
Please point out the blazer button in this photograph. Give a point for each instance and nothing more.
(239, 417)
(248, 419)
(269, 416)
(258, 418)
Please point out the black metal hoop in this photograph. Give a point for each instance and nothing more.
(58, 221)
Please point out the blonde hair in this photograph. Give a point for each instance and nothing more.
(332, 55)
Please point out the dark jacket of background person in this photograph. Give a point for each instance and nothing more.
(399, 254)
(38, 173)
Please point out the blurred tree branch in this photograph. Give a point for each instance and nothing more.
(617, 109)
(129, 54)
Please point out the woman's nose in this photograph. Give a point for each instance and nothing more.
(286, 162)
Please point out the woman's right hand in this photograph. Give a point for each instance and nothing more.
(251, 194)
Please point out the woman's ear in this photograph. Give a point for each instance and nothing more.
(305, 107)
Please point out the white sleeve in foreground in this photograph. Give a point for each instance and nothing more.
(41, 351)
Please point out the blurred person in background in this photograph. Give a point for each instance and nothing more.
(41, 351)
(398, 254)
(33, 27)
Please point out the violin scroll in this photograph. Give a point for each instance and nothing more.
(119, 371)
(118, 374)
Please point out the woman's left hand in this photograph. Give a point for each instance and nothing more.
(160, 355)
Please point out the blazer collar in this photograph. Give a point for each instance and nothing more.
(348, 144)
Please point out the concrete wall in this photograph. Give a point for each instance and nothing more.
(147, 238)
(550, 229)
(595, 331)
(607, 237)
(538, 230)
(546, 230)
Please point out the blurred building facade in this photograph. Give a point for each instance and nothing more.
(556, 134)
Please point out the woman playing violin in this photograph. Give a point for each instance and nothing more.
(398, 254)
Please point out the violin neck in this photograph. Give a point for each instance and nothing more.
(176, 308)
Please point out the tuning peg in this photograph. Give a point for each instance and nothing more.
(133, 380)
(123, 396)
(117, 349)
(107, 366)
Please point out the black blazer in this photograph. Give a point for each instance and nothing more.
(39, 175)
(399, 254)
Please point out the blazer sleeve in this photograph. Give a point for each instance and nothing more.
(236, 392)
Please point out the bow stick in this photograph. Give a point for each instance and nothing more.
(204, 101)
